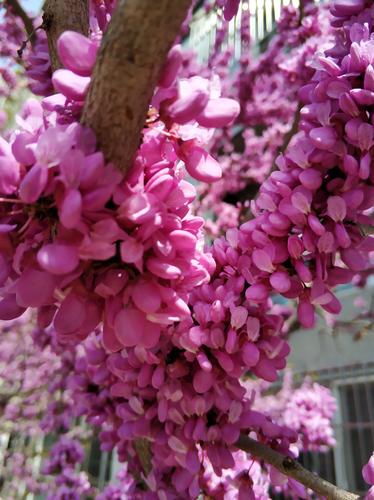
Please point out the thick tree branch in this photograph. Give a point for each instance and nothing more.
(62, 15)
(18, 11)
(130, 58)
(293, 469)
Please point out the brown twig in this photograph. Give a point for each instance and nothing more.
(18, 11)
(143, 450)
(288, 136)
(60, 16)
(294, 469)
(28, 39)
(128, 65)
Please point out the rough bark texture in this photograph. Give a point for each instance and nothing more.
(292, 468)
(131, 55)
(62, 15)
(17, 10)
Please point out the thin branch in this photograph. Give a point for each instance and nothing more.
(128, 65)
(18, 11)
(60, 16)
(288, 136)
(293, 469)
(143, 450)
(30, 38)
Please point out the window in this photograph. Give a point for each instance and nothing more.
(356, 429)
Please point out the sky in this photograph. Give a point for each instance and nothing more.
(32, 5)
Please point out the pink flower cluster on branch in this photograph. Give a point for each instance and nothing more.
(177, 328)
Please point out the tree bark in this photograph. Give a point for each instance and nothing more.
(60, 16)
(128, 65)
(18, 11)
(293, 469)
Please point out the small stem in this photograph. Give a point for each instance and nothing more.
(287, 138)
(28, 39)
(291, 468)
(143, 450)
(25, 226)
(10, 200)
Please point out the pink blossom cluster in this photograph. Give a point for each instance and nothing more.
(245, 480)
(64, 457)
(65, 452)
(308, 410)
(35, 403)
(100, 13)
(181, 327)
(266, 87)
(18, 470)
(69, 210)
(38, 66)
(11, 37)
(124, 488)
(304, 240)
(167, 396)
(20, 53)
(24, 370)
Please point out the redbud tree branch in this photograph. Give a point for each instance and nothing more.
(62, 15)
(293, 469)
(16, 8)
(130, 58)
(128, 65)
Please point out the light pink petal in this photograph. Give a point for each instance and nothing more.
(311, 178)
(323, 137)
(239, 316)
(336, 208)
(9, 175)
(33, 184)
(188, 107)
(70, 85)
(202, 166)
(368, 471)
(163, 269)
(183, 240)
(22, 150)
(77, 52)
(146, 296)
(58, 258)
(131, 250)
(35, 288)
(138, 208)
(353, 259)
(202, 381)
(266, 370)
(219, 113)
(257, 293)
(262, 260)
(253, 328)
(70, 315)
(9, 308)
(132, 328)
(71, 208)
(305, 314)
(280, 281)
(250, 354)
(171, 67)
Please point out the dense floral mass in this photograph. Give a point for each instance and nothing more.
(161, 332)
